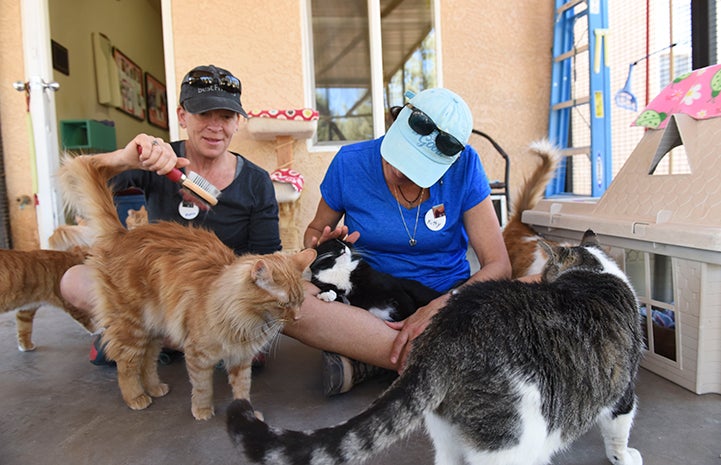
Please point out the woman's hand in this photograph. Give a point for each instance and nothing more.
(339, 232)
(152, 154)
(411, 328)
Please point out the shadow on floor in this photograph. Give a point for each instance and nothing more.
(58, 408)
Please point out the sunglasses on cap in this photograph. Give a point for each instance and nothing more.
(424, 125)
(201, 79)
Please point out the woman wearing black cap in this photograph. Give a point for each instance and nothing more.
(246, 216)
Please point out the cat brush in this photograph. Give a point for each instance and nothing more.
(197, 185)
(204, 194)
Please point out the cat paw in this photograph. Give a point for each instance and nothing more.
(159, 390)
(327, 296)
(628, 457)
(203, 413)
(141, 402)
(26, 347)
(635, 456)
(259, 415)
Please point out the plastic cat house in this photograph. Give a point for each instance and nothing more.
(664, 227)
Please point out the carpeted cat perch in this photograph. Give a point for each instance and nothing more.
(285, 127)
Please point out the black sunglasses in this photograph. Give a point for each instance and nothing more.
(424, 125)
(200, 79)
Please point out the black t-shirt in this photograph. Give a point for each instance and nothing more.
(245, 218)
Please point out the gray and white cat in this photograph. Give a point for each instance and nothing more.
(508, 373)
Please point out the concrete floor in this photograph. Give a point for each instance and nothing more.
(57, 408)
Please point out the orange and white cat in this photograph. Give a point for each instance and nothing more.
(526, 255)
(165, 280)
(30, 279)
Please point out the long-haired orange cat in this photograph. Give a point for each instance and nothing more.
(30, 279)
(165, 280)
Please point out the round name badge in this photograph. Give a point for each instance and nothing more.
(188, 210)
(436, 218)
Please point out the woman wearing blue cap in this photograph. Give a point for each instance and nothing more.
(413, 201)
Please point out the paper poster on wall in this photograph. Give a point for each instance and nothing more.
(157, 102)
(106, 72)
(131, 86)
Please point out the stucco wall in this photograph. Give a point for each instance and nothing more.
(496, 55)
(263, 47)
(15, 132)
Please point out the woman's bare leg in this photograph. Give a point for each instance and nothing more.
(343, 329)
(76, 287)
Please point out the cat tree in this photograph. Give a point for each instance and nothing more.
(285, 127)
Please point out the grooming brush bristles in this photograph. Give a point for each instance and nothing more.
(204, 184)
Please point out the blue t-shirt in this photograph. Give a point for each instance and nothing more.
(355, 186)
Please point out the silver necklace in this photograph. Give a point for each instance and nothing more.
(411, 239)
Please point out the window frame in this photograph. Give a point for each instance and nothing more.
(376, 64)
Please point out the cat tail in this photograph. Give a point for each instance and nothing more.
(84, 183)
(534, 186)
(396, 413)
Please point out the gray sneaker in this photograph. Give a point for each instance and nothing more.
(341, 373)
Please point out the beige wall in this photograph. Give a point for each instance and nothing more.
(15, 133)
(134, 27)
(263, 47)
(495, 54)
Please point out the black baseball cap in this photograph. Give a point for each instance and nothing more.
(207, 88)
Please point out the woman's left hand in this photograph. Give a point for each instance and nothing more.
(411, 328)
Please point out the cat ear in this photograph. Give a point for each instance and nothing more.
(304, 258)
(548, 249)
(589, 239)
(262, 276)
(259, 271)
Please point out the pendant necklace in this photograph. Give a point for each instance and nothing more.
(410, 202)
(411, 239)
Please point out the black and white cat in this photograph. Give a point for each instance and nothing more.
(507, 373)
(341, 274)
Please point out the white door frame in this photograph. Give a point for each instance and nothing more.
(169, 58)
(39, 79)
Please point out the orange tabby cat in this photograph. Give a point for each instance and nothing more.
(67, 236)
(165, 280)
(30, 279)
(527, 257)
(136, 218)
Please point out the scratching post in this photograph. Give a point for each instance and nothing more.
(285, 127)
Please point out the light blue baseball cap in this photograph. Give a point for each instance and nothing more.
(416, 155)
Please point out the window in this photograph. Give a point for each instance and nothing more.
(652, 277)
(650, 44)
(359, 73)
